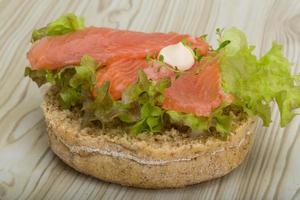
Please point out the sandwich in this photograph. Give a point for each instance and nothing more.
(155, 110)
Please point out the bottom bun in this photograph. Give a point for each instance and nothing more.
(170, 159)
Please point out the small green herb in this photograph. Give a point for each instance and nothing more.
(148, 58)
(161, 58)
(203, 37)
(178, 74)
(196, 54)
(223, 44)
(154, 55)
(219, 32)
(184, 41)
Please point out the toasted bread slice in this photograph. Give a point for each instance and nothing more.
(169, 159)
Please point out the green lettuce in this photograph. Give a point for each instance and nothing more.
(150, 120)
(147, 95)
(75, 84)
(255, 83)
(197, 124)
(64, 24)
(220, 120)
(138, 108)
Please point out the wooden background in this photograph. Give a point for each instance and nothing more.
(28, 168)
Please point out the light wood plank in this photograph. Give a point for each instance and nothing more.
(28, 168)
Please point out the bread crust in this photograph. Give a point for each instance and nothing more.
(162, 162)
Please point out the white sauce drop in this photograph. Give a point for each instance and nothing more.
(178, 55)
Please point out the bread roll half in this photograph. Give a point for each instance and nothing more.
(166, 160)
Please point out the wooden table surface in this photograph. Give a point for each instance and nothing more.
(28, 168)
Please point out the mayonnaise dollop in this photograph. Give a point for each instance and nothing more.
(178, 55)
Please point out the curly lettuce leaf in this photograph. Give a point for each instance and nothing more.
(147, 95)
(151, 119)
(75, 84)
(138, 109)
(64, 24)
(257, 82)
(219, 120)
(222, 121)
(197, 124)
(101, 106)
(104, 109)
(40, 77)
(145, 90)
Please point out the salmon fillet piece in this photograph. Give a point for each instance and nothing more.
(120, 74)
(155, 72)
(196, 93)
(104, 44)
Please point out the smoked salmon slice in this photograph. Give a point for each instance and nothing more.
(120, 74)
(103, 44)
(196, 93)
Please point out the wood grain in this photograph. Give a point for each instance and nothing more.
(28, 168)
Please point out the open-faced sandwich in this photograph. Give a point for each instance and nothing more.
(155, 110)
